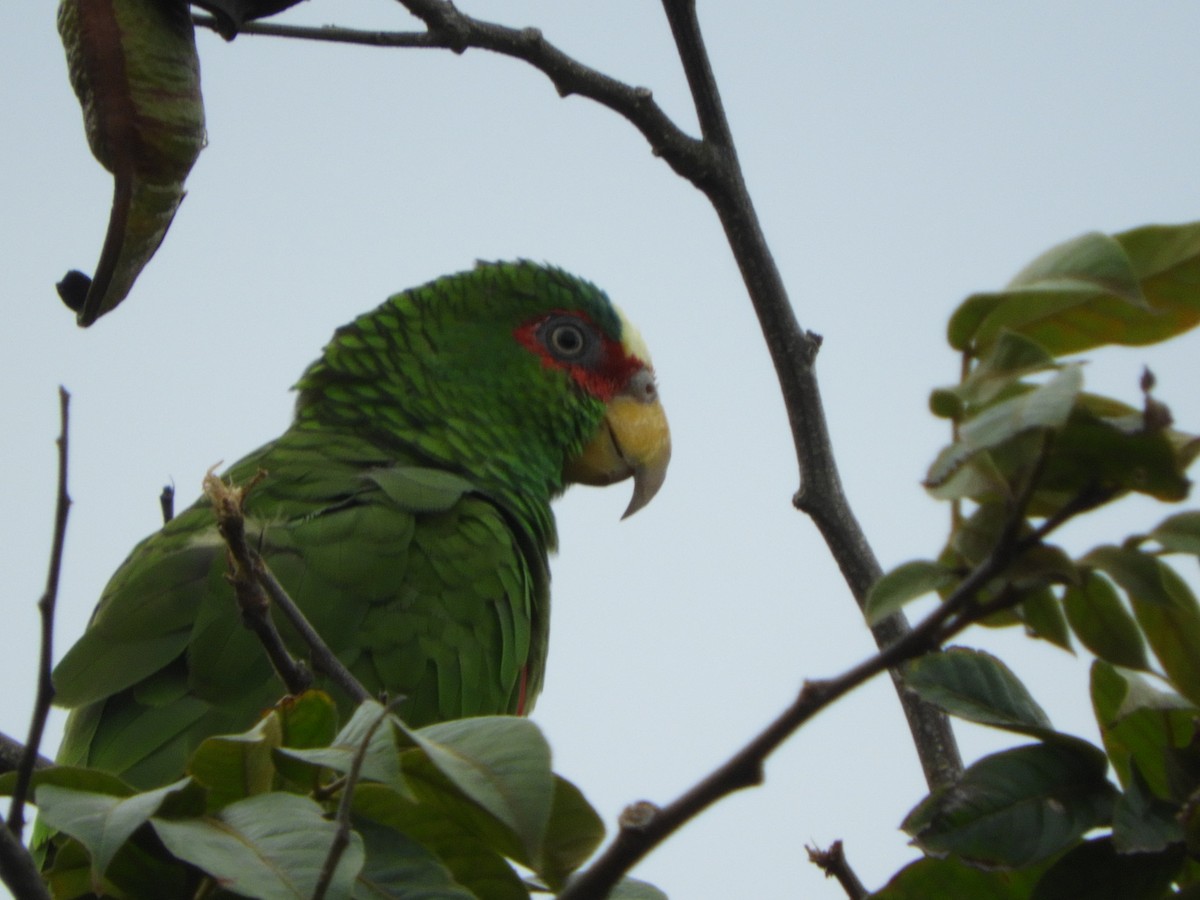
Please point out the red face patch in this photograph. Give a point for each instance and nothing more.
(571, 341)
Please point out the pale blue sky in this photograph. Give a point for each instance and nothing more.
(901, 155)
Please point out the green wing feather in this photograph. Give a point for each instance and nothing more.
(418, 582)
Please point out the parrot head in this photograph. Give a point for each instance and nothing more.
(519, 376)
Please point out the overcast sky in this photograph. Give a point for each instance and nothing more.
(901, 155)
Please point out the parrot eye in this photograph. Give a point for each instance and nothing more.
(568, 339)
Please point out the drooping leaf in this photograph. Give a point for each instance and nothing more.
(236, 766)
(904, 583)
(1047, 405)
(1180, 533)
(1012, 357)
(270, 846)
(399, 868)
(979, 687)
(1133, 288)
(1142, 821)
(1165, 609)
(382, 759)
(1103, 624)
(1110, 447)
(101, 822)
(475, 865)
(1043, 615)
(1017, 807)
(949, 877)
(1032, 410)
(307, 721)
(1140, 725)
(1097, 871)
(632, 889)
(1137, 573)
(134, 67)
(573, 833)
(500, 763)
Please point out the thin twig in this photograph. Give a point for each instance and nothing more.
(332, 34)
(341, 837)
(833, 863)
(324, 660)
(745, 768)
(258, 588)
(252, 600)
(46, 605)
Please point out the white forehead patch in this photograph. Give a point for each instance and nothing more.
(631, 338)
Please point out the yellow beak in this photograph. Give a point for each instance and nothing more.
(632, 440)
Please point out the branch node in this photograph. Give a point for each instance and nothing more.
(833, 863)
(638, 816)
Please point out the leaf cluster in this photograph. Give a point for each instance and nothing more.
(298, 808)
(1030, 450)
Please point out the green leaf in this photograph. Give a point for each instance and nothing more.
(1017, 807)
(1138, 574)
(502, 764)
(1043, 615)
(450, 837)
(382, 759)
(399, 868)
(1179, 533)
(1045, 406)
(903, 584)
(90, 780)
(573, 833)
(271, 846)
(1028, 411)
(1165, 609)
(930, 878)
(1110, 447)
(1140, 726)
(1133, 288)
(1097, 871)
(1010, 358)
(978, 687)
(632, 889)
(309, 720)
(101, 822)
(1103, 624)
(1143, 822)
(236, 766)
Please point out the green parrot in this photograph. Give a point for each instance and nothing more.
(406, 510)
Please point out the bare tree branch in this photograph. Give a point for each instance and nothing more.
(833, 863)
(46, 604)
(341, 838)
(18, 871)
(11, 751)
(641, 833)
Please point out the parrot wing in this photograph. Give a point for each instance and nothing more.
(421, 585)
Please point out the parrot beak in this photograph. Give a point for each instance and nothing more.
(632, 440)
